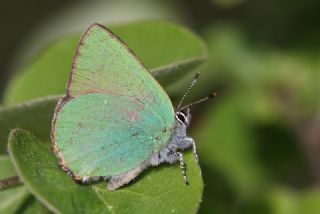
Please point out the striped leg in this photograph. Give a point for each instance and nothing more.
(183, 167)
(194, 149)
(186, 142)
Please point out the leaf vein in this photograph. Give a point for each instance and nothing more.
(102, 199)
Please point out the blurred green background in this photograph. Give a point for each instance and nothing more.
(259, 141)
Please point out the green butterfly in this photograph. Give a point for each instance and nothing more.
(115, 119)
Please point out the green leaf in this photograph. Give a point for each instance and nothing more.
(11, 199)
(234, 152)
(168, 50)
(17, 199)
(7, 170)
(283, 199)
(32, 205)
(309, 201)
(227, 150)
(157, 190)
(34, 116)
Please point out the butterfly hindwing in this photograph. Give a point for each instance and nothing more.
(103, 134)
(114, 114)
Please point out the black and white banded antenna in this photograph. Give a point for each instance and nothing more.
(210, 96)
(195, 79)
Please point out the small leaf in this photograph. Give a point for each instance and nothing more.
(17, 199)
(32, 205)
(168, 50)
(10, 199)
(7, 170)
(34, 116)
(157, 190)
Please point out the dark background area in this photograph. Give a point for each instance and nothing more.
(284, 24)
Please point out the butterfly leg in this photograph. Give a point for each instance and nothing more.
(194, 148)
(186, 142)
(182, 166)
(170, 155)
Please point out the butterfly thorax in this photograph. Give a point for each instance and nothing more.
(178, 141)
(179, 138)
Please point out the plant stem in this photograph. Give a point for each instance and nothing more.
(9, 182)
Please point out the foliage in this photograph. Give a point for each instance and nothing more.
(156, 190)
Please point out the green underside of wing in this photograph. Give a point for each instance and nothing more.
(103, 134)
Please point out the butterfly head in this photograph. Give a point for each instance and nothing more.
(183, 117)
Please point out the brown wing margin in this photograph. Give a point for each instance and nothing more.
(62, 101)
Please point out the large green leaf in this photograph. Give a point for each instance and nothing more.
(157, 190)
(169, 50)
(34, 116)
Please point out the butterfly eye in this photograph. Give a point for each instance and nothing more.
(181, 117)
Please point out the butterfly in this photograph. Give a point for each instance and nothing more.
(115, 119)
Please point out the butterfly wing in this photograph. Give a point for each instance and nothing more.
(115, 114)
(103, 134)
(104, 64)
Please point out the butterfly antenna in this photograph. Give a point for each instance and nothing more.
(195, 79)
(210, 96)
